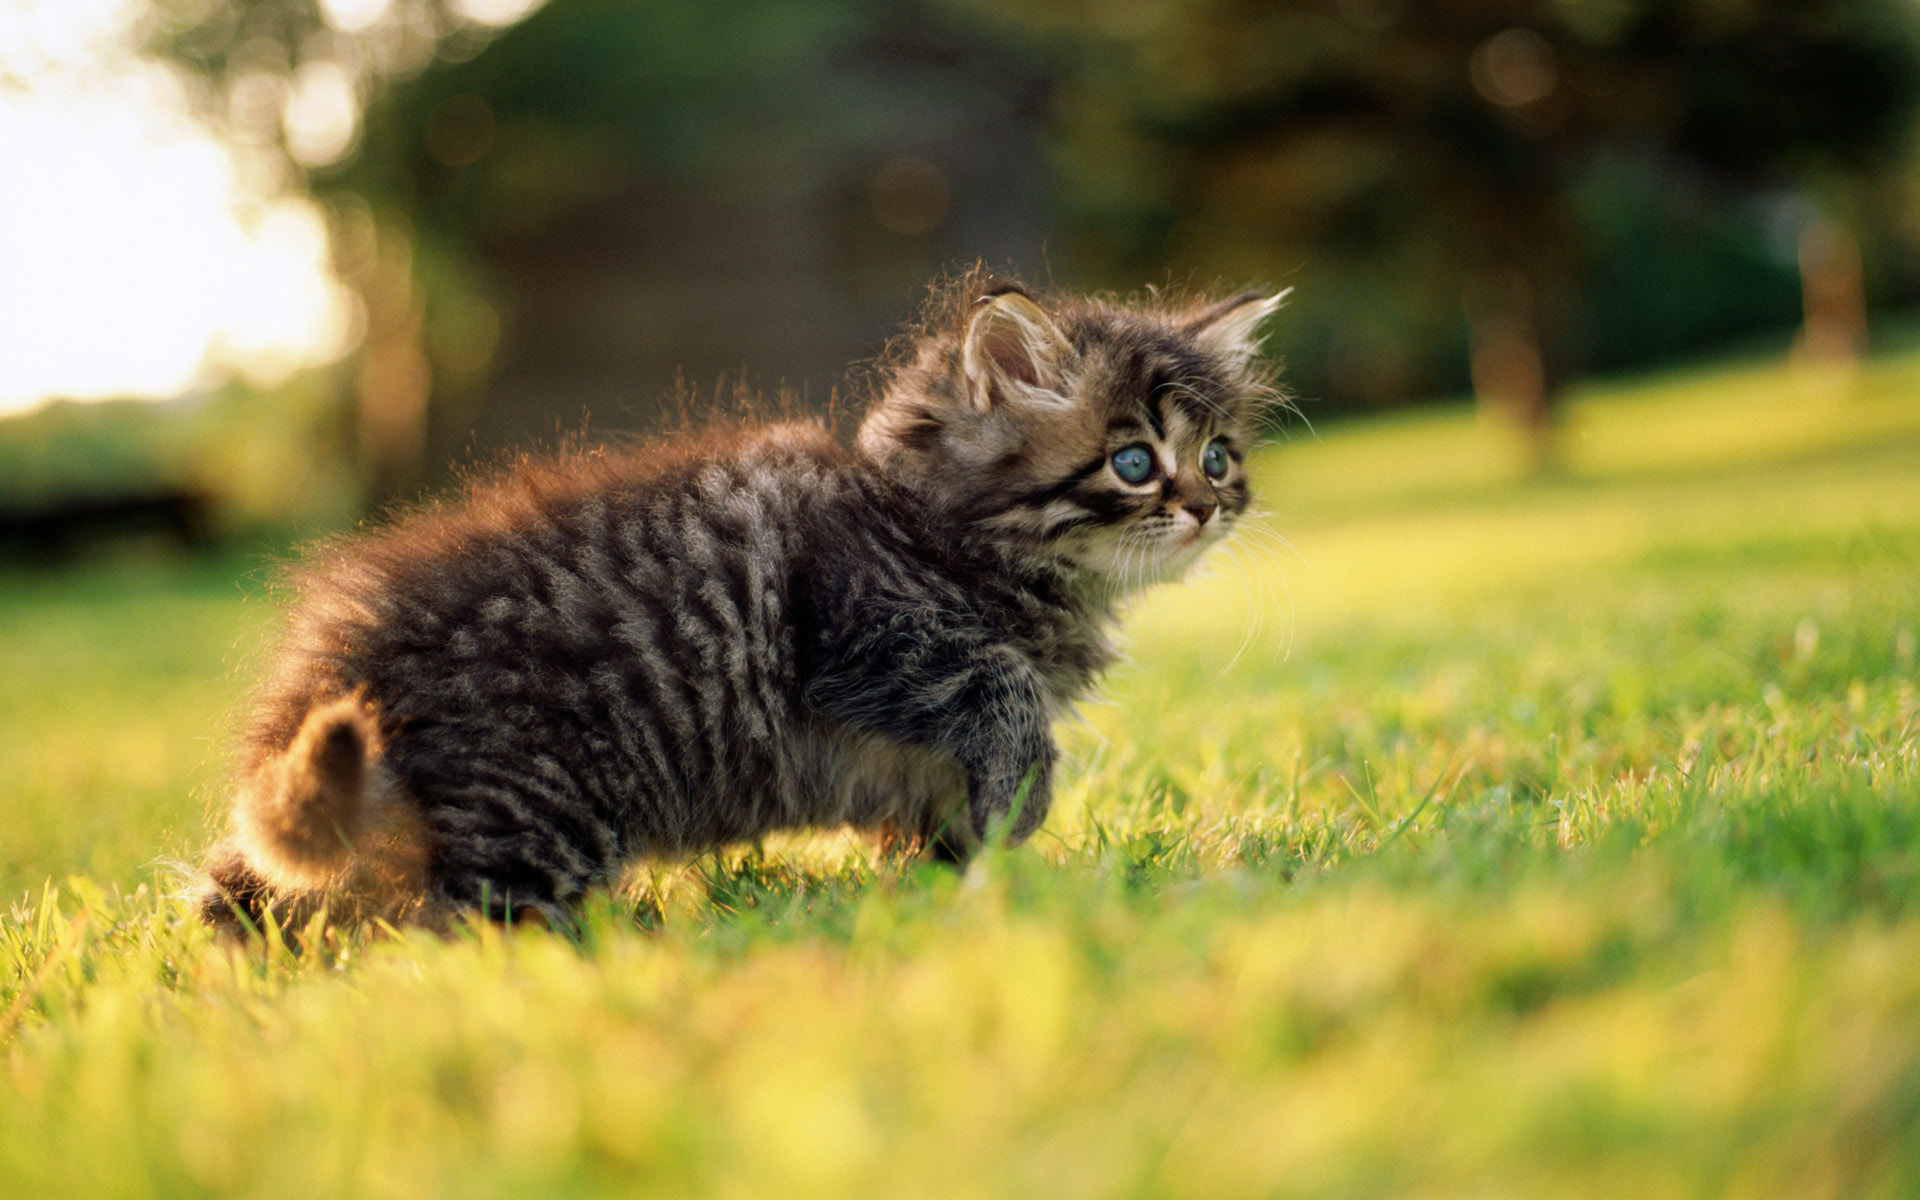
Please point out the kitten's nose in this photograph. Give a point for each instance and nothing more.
(1201, 509)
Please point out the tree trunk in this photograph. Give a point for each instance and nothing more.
(1517, 362)
(395, 375)
(1834, 299)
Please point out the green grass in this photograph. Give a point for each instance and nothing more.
(1497, 838)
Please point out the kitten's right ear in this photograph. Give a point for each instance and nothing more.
(1232, 327)
(1013, 352)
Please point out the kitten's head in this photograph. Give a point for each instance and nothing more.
(1112, 437)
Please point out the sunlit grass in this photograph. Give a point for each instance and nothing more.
(1534, 839)
(119, 681)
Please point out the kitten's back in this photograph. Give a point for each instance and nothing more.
(575, 634)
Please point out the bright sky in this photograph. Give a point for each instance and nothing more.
(134, 260)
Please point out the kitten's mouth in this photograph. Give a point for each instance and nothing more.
(1154, 557)
(1181, 548)
(1200, 536)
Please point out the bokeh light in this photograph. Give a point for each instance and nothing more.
(143, 257)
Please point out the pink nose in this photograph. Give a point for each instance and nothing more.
(1201, 509)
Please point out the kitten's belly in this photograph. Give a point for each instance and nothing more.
(868, 780)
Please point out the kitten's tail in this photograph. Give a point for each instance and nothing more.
(302, 814)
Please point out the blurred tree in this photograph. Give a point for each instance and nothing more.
(528, 197)
(1442, 147)
(289, 83)
(564, 203)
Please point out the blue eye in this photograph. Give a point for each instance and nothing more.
(1213, 460)
(1133, 463)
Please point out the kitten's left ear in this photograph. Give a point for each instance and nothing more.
(1014, 352)
(1232, 327)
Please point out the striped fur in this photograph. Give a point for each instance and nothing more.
(497, 704)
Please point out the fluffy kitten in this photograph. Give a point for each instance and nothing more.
(495, 705)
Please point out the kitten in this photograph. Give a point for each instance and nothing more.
(495, 705)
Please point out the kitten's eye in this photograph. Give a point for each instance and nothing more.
(1213, 460)
(1133, 463)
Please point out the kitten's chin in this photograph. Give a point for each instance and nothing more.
(1130, 565)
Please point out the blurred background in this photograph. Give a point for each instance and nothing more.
(267, 264)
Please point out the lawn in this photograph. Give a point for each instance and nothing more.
(1456, 834)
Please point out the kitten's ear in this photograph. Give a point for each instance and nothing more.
(1014, 353)
(1232, 327)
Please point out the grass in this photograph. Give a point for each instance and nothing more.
(1497, 838)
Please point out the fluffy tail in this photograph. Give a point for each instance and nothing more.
(303, 813)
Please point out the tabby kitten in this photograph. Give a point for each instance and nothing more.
(494, 706)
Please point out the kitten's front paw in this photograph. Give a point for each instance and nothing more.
(1028, 817)
(1013, 817)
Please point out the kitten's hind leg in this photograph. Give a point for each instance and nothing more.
(387, 882)
(237, 899)
(498, 857)
(234, 897)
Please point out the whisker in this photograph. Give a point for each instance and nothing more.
(1253, 612)
(1265, 539)
(1256, 517)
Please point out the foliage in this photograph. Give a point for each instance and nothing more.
(1551, 187)
(1565, 841)
(529, 201)
(1435, 159)
(264, 458)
